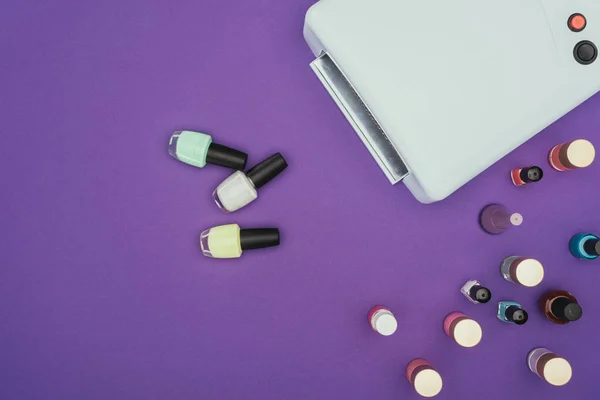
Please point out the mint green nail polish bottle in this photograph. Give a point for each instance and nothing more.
(198, 149)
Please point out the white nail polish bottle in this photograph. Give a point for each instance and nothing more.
(382, 320)
(239, 189)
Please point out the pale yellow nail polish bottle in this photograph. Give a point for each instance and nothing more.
(229, 241)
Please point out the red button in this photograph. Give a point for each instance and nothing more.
(577, 22)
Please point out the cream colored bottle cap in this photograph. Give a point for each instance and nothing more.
(558, 371)
(467, 333)
(386, 324)
(428, 383)
(581, 153)
(530, 272)
(516, 219)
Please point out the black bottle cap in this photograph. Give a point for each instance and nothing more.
(566, 310)
(259, 238)
(480, 294)
(592, 247)
(226, 157)
(516, 315)
(268, 169)
(531, 174)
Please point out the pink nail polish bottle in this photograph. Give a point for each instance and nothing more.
(382, 320)
(464, 330)
(424, 378)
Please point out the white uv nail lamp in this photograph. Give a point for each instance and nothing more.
(439, 90)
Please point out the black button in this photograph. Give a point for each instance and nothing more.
(585, 52)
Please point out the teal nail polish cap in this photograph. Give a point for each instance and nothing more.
(198, 149)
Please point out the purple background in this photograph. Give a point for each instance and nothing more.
(105, 294)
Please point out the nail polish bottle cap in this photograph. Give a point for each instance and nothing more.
(592, 246)
(529, 272)
(516, 219)
(516, 315)
(386, 324)
(268, 169)
(226, 157)
(557, 371)
(467, 333)
(531, 174)
(428, 383)
(480, 294)
(581, 153)
(259, 238)
(566, 309)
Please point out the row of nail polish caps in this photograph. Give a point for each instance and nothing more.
(235, 192)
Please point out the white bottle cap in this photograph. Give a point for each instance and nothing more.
(467, 333)
(428, 383)
(529, 272)
(557, 371)
(581, 153)
(386, 324)
(516, 219)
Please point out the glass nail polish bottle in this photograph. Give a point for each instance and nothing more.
(382, 321)
(579, 153)
(229, 241)
(523, 176)
(560, 307)
(549, 366)
(424, 378)
(464, 330)
(495, 219)
(475, 292)
(585, 246)
(522, 271)
(198, 149)
(239, 189)
(512, 313)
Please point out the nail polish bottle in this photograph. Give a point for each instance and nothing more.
(198, 149)
(382, 320)
(512, 313)
(549, 366)
(475, 292)
(560, 307)
(585, 246)
(465, 331)
(424, 378)
(239, 189)
(523, 176)
(495, 219)
(579, 153)
(229, 241)
(522, 271)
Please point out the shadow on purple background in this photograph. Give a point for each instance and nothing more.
(104, 292)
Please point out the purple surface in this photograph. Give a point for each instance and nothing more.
(104, 292)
